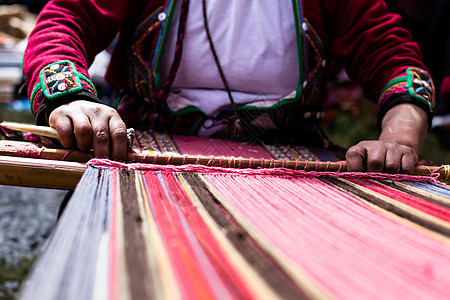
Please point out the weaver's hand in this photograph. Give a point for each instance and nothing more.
(404, 128)
(87, 125)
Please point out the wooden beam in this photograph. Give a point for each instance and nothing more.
(40, 173)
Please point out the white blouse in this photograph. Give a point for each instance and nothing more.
(255, 41)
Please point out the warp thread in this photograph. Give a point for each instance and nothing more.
(262, 171)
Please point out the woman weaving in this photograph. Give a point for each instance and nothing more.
(234, 69)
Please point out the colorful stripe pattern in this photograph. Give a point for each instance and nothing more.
(56, 80)
(161, 143)
(178, 233)
(415, 83)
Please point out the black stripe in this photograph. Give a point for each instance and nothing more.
(262, 262)
(372, 198)
(140, 281)
(395, 185)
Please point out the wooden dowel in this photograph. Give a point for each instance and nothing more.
(51, 132)
(40, 173)
(239, 162)
(11, 148)
(26, 149)
(39, 130)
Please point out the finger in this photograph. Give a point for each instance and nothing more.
(376, 159)
(408, 161)
(100, 137)
(63, 125)
(119, 140)
(393, 161)
(82, 129)
(355, 157)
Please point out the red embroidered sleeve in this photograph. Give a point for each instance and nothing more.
(67, 37)
(379, 54)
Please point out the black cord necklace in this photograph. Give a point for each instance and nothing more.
(216, 59)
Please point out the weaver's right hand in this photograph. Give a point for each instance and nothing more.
(88, 125)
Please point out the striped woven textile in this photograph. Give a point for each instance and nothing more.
(197, 232)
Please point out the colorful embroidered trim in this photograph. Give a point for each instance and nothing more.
(420, 86)
(59, 79)
(141, 81)
(416, 83)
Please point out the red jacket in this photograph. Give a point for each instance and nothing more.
(376, 52)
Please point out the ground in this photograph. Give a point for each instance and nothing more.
(27, 217)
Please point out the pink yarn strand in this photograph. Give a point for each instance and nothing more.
(231, 159)
(67, 154)
(211, 159)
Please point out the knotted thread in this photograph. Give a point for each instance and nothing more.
(445, 176)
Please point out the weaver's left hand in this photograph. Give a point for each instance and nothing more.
(404, 128)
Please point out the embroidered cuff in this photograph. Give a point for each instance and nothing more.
(44, 110)
(59, 83)
(59, 78)
(414, 87)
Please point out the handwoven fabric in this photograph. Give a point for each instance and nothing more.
(198, 232)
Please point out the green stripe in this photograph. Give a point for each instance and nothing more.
(299, 35)
(160, 50)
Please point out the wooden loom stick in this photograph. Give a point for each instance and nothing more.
(42, 173)
(234, 162)
(39, 130)
(254, 163)
(50, 132)
(30, 150)
(14, 148)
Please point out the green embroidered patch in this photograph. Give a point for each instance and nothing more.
(420, 86)
(59, 78)
(416, 84)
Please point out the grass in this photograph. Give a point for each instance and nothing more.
(11, 277)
